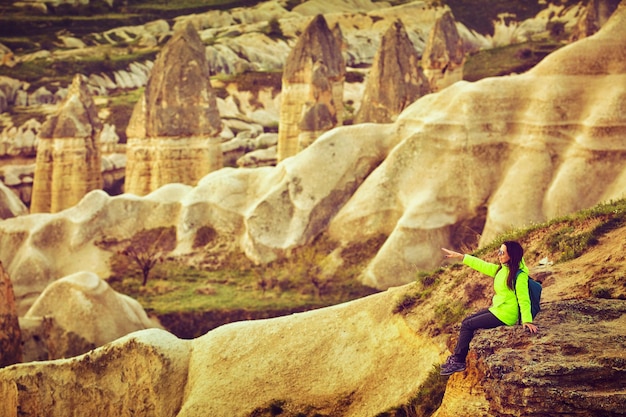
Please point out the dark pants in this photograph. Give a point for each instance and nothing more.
(484, 319)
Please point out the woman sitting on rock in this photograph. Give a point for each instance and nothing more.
(505, 307)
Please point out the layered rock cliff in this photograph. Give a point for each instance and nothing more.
(68, 155)
(173, 132)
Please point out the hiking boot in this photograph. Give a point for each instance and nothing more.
(451, 366)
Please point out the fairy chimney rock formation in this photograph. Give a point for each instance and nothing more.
(443, 56)
(173, 134)
(395, 79)
(320, 113)
(68, 155)
(313, 76)
(10, 333)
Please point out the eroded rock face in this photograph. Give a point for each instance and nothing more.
(68, 153)
(10, 333)
(395, 79)
(173, 132)
(144, 373)
(85, 305)
(354, 359)
(596, 14)
(443, 56)
(574, 366)
(312, 79)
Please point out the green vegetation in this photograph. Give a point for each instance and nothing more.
(570, 236)
(426, 401)
(297, 282)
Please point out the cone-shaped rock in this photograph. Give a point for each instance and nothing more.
(68, 162)
(395, 79)
(301, 83)
(596, 13)
(443, 56)
(10, 334)
(173, 131)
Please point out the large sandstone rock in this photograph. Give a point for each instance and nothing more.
(353, 359)
(395, 79)
(443, 56)
(173, 132)
(315, 72)
(10, 333)
(68, 154)
(87, 306)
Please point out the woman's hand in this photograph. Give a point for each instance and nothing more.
(452, 254)
(531, 327)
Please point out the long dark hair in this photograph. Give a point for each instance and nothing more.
(516, 252)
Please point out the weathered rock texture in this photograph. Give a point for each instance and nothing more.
(353, 359)
(443, 56)
(312, 82)
(463, 164)
(174, 128)
(395, 79)
(88, 307)
(68, 154)
(10, 333)
(552, 374)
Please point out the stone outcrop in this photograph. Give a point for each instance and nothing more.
(81, 310)
(395, 79)
(10, 333)
(68, 153)
(174, 128)
(10, 203)
(443, 57)
(312, 80)
(575, 366)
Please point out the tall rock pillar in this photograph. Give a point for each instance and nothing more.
(313, 76)
(395, 79)
(10, 333)
(68, 163)
(443, 56)
(173, 133)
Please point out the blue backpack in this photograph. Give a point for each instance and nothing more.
(534, 291)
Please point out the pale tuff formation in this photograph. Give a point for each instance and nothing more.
(10, 332)
(475, 159)
(68, 155)
(395, 80)
(173, 134)
(444, 56)
(312, 88)
(72, 302)
(593, 17)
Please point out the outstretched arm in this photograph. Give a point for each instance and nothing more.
(452, 254)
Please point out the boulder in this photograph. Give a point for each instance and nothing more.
(395, 79)
(68, 154)
(173, 131)
(85, 305)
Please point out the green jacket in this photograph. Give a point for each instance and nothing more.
(504, 304)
